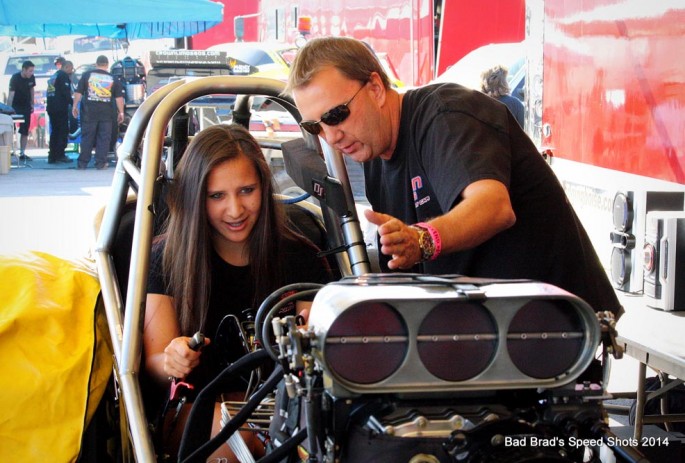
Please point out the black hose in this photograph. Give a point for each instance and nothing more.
(627, 454)
(207, 397)
(264, 307)
(269, 316)
(282, 451)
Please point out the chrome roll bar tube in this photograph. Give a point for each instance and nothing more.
(125, 324)
(148, 126)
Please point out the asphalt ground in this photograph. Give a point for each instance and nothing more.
(50, 207)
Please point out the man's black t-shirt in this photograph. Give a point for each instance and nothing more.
(99, 89)
(450, 137)
(21, 87)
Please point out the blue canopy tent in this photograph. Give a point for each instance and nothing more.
(132, 19)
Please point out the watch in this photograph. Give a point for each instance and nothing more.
(426, 243)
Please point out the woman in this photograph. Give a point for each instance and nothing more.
(226, 248)
(494, 84)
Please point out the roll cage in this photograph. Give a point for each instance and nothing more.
(144, 160)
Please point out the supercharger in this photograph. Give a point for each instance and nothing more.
(419, 368)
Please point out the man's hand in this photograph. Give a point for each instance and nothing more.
(397, 239)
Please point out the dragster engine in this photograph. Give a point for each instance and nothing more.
(425, 369)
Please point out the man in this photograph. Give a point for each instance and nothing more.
(20, 97)
(96, 92)
(59, 62)
(455, 183)
(59, 99)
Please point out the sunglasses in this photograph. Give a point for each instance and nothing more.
(331, 117)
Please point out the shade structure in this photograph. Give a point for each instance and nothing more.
(132, 19)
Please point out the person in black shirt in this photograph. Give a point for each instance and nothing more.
(59, 62)
(493, 82)
(94, 97)
(455, 183)
(20, 97)
(226, 248)
(59, 100)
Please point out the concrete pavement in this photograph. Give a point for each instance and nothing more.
(50, 209)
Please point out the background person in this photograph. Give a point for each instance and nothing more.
(226, 248)
(494, 84)
(59, 62)
(59, 101)
(20, 97)
(95, 94)
(455, 183)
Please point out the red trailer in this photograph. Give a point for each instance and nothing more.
(608, 98)
(419, 38)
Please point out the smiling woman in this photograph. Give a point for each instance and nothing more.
(234, 200)
(222, 201)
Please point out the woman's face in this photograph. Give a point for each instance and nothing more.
(234, 200)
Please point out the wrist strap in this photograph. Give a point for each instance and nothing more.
(435, 236)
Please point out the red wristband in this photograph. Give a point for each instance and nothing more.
(435, 236)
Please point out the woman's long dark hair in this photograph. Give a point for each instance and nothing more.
(188, 248)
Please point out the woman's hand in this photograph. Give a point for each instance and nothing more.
(302, 309)
(180, 359)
